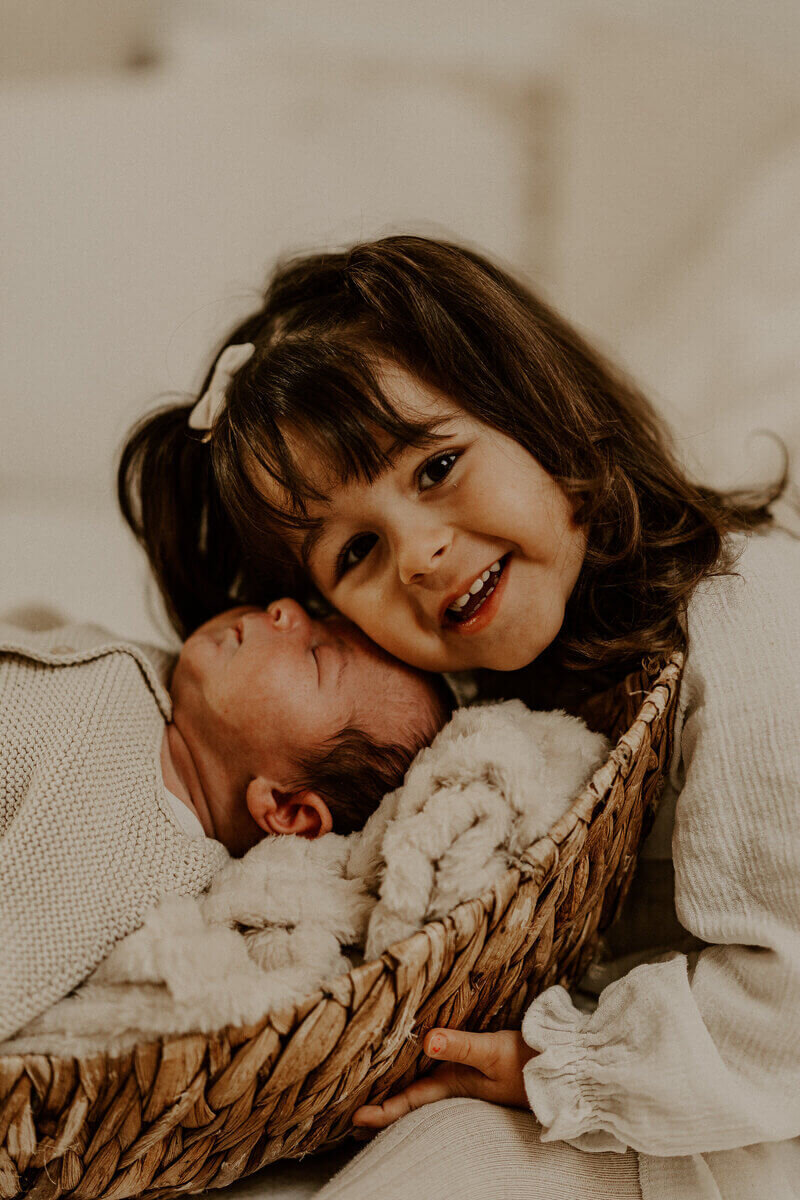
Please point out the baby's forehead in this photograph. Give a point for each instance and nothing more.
(373, 658)
(402, 693)
(363, 650)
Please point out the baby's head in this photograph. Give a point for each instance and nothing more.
(297, 725)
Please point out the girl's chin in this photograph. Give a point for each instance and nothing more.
(502, 656)
(508, 662)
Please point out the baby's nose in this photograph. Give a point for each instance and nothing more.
(288, 615)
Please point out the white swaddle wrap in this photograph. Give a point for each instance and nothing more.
(275, 924)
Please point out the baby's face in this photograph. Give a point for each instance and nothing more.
(270, 685)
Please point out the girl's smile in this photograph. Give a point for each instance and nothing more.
(461, 554)
(474, 608)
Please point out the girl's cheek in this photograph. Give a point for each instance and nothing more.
(356, 607)
(380, 620)
(384, 623)
(386, 620)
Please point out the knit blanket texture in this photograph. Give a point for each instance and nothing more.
(88, 845)
(275, 924)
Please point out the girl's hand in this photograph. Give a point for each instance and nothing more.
(486, 1066)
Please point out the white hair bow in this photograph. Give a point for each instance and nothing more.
(210, 404)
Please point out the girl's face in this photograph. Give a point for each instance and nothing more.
(459, 555)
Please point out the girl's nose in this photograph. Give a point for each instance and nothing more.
(289, 616)
(420, 553)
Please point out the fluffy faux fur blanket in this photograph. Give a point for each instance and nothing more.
(275, 924)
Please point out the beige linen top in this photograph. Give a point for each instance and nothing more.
(87, 840)
(694, 1059)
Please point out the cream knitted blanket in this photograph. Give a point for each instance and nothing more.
(291, 913)
(86, 845)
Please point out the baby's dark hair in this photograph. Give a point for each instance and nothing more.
(353, 772)
(466, 327)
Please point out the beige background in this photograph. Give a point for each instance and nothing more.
(638, 162)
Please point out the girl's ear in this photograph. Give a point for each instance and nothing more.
(303, 812)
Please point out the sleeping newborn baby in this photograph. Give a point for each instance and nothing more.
(284, 724)
(123, 780)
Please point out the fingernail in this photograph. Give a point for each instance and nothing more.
(436, 1045)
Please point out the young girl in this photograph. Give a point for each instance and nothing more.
(410, 435)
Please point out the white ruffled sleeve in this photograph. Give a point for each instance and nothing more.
(698, 1053)
(565, 1086)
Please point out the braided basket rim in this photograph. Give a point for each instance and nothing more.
(537, 859)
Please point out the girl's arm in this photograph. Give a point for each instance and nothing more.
(698, 1053)
(702, 1053)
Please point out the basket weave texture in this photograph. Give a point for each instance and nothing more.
(199, 1111)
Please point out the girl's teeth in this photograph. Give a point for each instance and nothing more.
(477, 586)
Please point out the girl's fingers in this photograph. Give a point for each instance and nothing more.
(421, 1092)
(476, 1050)
(487, 1066)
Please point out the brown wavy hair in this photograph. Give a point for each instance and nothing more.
(469, 329)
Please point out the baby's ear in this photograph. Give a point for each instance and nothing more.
(301, 812)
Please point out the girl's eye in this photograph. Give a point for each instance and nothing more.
(354, 552)
(435, 470)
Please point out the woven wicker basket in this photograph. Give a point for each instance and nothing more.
(194, 1112)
